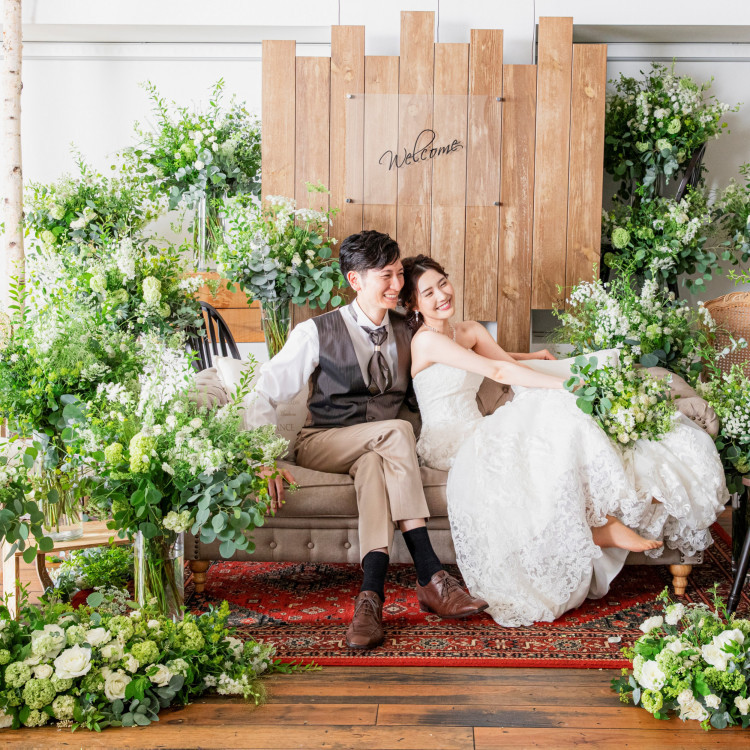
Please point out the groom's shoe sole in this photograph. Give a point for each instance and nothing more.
(423, 608)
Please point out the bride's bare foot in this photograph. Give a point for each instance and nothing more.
(616, 534)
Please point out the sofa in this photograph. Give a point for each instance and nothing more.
(318, 522)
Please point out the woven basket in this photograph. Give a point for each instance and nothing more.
(732, 313)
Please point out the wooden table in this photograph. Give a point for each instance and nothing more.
(95, 534)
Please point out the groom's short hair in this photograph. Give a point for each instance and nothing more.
(367, 250)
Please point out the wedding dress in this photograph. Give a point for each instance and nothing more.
(527, 483)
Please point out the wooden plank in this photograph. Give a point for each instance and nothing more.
(489, 738)
(178, 730)
(483, 173)
(415, 117)
(223, 297)
(381, 134)
(449, 170)
(312, 157)
(555, 58)
(278, 117)
(517, 211)
(347, 127)
(244, 323)
(586, 163)
(532, 715)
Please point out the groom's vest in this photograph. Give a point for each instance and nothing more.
(338, 391)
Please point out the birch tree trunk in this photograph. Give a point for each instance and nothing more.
(11, 175)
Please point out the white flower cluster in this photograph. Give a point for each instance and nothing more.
(166, 372)
(125, 259)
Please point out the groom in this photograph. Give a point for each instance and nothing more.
(358, 361)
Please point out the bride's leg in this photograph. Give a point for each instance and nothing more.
(616, 534)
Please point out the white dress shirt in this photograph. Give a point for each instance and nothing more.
(288, 372)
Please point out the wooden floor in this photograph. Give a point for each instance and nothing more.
(409, 709)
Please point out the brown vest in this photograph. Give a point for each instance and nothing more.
(338, 392)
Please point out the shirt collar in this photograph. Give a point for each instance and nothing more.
(363, 320)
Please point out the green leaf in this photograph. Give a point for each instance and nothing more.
(585, 406)
(149, 530)
(29, 554)
(95, 600)
(45, 544)
(649, 360)
(227, 548)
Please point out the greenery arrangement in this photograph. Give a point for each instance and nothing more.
(107, 665)
(648, 326)
(693, 662)
(98, 567)
(279, 254)
(627, 403)
(88, 208)
(731, 213)
(729, 395)
(654, 124)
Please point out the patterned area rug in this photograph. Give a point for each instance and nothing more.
(305, 609)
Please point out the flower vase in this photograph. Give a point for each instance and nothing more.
(63, 519)
(209, 227)
(275, 320)
(160, 573)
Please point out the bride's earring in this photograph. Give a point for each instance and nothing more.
(416, 316)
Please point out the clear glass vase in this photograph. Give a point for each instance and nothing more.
(275, 320)
(209, 227)
(160, 573)
(63, 518)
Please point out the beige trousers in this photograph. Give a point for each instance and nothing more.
(381, 458)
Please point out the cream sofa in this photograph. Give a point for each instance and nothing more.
(318, 523)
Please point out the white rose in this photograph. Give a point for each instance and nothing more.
(713, 701)
(685, 697)
(153, 623)
(714, 656)
(199, 164)
(43, 672)
(162, 676)
(58, 639)
(695, 711)
(115, 684)
(131, 663)
(98, 636)
(6, 720)
(112, 651)
(652, 677)
(727, 636)
(73, 662)
(651, 623)
(676, 611)
(743, 705)
(677, 646)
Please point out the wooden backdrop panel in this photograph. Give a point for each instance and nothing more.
(312, 157)
(483, 173)
(555, 58)
(381, 126)
(415, 115)
(347, 126)
(278, 101)
(517, 211)
(449, 171)
(586, 162)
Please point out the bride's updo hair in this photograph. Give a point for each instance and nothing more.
(414, 267)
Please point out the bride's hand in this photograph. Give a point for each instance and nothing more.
(543, 354)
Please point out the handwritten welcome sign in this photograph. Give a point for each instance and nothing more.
(424, 149)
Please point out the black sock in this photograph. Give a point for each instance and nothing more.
(420, 548)
(375, 567)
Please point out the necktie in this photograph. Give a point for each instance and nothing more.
(377, 367)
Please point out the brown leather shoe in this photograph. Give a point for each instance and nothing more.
(366, 628)
(444, 596)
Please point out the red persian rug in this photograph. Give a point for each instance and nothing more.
(305, 609)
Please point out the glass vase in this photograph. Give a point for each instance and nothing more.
(63, 519)
(275, 320)
(160, 573)
(209, 227)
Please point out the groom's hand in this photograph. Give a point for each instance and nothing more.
(276, 486)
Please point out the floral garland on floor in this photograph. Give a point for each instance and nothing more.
(693, 662)
(106, 664)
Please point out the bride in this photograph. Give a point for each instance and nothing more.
(543, 506)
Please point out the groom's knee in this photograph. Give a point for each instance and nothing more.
(396, 433)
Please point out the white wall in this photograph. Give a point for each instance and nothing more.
(85, 58)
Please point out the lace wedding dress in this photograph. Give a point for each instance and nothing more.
(528, 482)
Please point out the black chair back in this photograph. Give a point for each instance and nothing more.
(693, 172)
(215, 336)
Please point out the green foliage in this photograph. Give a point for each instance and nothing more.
(95, 567)
(282, 252)
(654, 124)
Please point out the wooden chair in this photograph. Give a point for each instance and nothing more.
(215, 335)
(732, 313)
(693, 173)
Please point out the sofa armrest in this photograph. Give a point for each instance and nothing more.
(208, 389)
(689, 402)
